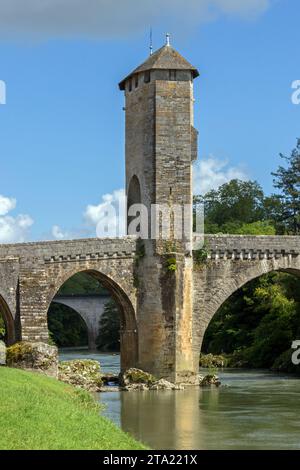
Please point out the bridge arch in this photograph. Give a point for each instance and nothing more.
(8, 321)
(215, 283)
(128, 324)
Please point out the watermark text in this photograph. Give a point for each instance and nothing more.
(296, 93)
(2, 92)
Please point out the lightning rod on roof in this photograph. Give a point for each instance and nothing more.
(151, 42)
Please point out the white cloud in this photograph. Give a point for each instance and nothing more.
(108, 217)
(6, 204)
(58, 233)
(211, 173)
(12, 229)
(107, 18)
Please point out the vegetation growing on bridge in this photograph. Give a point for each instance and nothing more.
(37, 412)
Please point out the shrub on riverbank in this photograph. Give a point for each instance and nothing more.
(211, 361)
(37, 412)
(284, 363)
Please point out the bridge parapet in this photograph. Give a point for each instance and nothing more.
(71, 250)
(241, 247)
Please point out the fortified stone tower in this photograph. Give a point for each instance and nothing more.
(161, 144)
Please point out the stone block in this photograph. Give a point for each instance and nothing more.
(39, 357)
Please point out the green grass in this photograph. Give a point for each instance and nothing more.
(37, 412)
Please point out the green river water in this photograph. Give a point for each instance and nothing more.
(252, 410)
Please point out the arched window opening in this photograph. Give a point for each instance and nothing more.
(133, 197)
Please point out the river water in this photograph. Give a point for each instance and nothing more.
(252, 410)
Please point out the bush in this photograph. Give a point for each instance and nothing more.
(283, 363)
(211, 361)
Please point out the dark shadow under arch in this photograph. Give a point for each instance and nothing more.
(8, 321)
(128, 324)
(69, 312)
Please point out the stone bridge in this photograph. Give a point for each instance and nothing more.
(32, 274)
(90, 307)
(166, 297)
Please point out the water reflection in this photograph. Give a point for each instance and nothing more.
(254, 410)
(168, 420)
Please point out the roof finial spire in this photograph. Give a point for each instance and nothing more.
(168, 39)
(151, 41)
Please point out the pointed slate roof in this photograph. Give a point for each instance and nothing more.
(164, 58)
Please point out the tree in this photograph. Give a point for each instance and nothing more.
(287, 180)
(258, 323)
(109, 328)
(66, 326)
(82, 283)
(235, 207)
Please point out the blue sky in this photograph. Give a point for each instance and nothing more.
(62, 128)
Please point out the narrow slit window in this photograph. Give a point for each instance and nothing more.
(172, 75)
(147, 76)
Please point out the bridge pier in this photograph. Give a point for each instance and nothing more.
(165, 309)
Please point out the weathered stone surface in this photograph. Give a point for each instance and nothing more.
(163, 384)
(136, 377)
(81, 373)
(2, 353)
(138, 380)
(39, 357)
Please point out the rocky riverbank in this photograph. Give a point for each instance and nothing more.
(86, 374)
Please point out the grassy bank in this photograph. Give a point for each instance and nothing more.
(37, 412)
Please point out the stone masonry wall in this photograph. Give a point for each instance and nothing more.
(158, 329)
(232, 262)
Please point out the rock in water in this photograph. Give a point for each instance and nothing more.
(136, 376)
(40, 357)
(81, 373)
(209, 380)
(163, 384)
(2, 353)
(136, 379)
